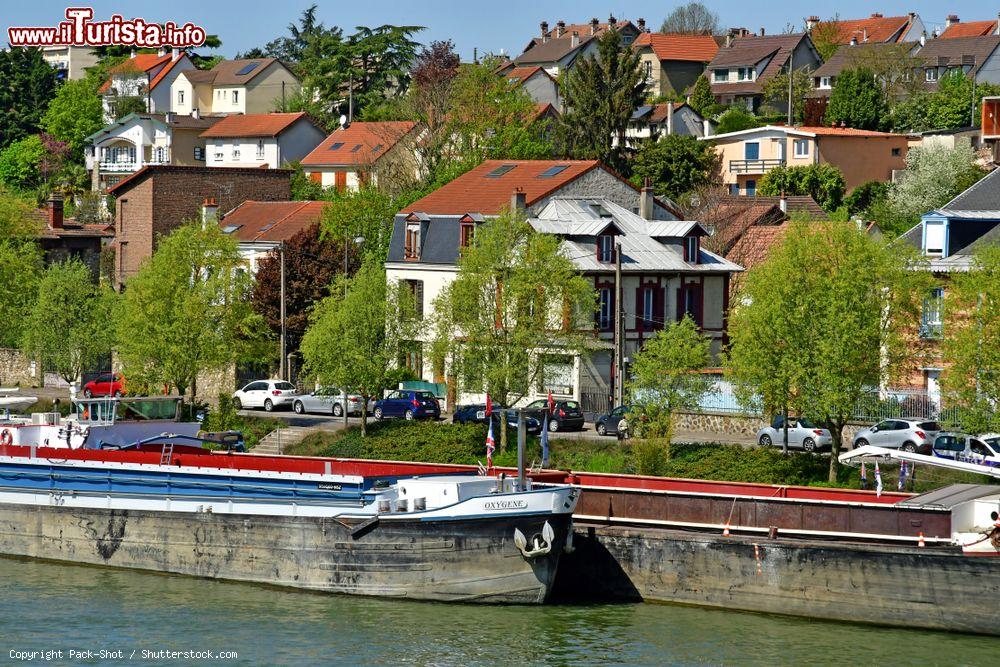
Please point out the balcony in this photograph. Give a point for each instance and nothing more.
(754, 166)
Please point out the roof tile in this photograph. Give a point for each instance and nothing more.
(692, 48)
(369, 135)
(271, 221)
(970, 29)
(875, 28)
(253, 125)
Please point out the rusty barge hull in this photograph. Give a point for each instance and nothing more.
(466, 560)
(906, 586)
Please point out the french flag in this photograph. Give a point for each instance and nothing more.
(491, 445)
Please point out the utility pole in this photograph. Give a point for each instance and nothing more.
(522, 436)
(791, 75)
(619, 343)
(283, 367)
(350, 100)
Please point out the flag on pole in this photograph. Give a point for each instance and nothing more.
(902, 475)
(490, 446)
(878, 481)
(489, 406)
(545, 441)
(864, 475)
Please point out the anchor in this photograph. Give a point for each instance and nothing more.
(541, 544)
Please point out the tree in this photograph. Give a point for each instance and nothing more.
(675, 165)
(666, 378)
(20, 162)
(311, 264)
(857, 101)
(366, 215)
(823, 182)
(17, 221)
(358, 335)
(702, 99)
(515, 295)
(694, 18)
(735, 119)
(301, 187)
(27, 84)
(602, 92)
(429, 100)
(290, 49)
(75, 114)
(866, 197)
(187, 310)
(957, 101)
(776, 93)
(971, 347)
(934, 175)
(68, 328)
(825, 37)
(859, 295)
(20, 271)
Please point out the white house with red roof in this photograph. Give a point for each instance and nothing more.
(537, 83)
(260, 140)
(145, 75)
(363, 152)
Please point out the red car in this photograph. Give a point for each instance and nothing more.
(105, 385)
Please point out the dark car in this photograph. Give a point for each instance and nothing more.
(105, 385)
(608, 424)
(475, 413)
(408, 405)
(566, 416)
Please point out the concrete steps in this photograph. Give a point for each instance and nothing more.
(278, 440)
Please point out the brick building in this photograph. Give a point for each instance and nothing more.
(159, 198)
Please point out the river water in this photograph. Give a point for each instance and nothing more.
(52, 607)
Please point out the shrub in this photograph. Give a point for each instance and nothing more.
(823, 182)
(735, 119)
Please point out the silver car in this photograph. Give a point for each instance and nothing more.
(909, 435)
(328, 400)
(802, 433)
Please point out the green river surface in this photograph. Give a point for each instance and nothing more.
(52, 607)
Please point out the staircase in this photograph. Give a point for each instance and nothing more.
(278, 440)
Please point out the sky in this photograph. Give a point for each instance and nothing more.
(507, 25)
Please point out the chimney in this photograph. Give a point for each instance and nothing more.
(783, 203)
(951, 20)
(811, 23)
(574, 39)
(162, 51)
(646, 201)
(168, 118)
(923, 38)
(209, 212)
(641, 24)
(706, 128)
(594, 23)
(876, 15)
(175, 54)
(560, 28)
(997, 31)
(545, 31)
(195, 113)
(670, 118)
(55, 210)
(131, 54)
(729, 39)
(854, 41)
(518, 201)
(864, 35)
(762, 32)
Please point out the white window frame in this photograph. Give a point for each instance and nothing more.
(931, 75)
(648, 301)
(692, 247)
(605, 303)
(180, 97)
(826, 82)
(932, 314)
(716, 78)
(260, 149)
(800, 148)
(236, 97)
(236, 150)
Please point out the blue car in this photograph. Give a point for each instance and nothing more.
(408, 405)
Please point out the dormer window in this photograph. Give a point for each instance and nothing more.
(720, 75)
(468, 233)
(934, 238)
(931, 74)
(692, 249)
(411, 248)
(606, 248)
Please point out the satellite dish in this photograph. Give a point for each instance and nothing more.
(343, 120)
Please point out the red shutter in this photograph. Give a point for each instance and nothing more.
(316, 177)
(658, 310)
(699, 304)
(340, 180)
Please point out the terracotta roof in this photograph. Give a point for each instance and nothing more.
(543, 109)
(253, 125)
(356, 143)
(150, 169)
(162, 74)
(841, 131)
(754, 246)
(692, 48)
(476, 191)
(271, 221)
(524, 73)
(794, 203)
(875, 28)
(729, 218)
(970, 29)
(143, 62)
(70, 227)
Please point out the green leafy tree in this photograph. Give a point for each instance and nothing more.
(74, 114)
(866, 198)
(68, 328)
(363, 218)
(20, 163)
(693, 18)
(666, 378)
(826, 37)
(358, 335)
(27, 84)
(17, 221)
(601, 94)
(515, 295)
(823, 182)
(971, 345)
(187, 310)
(957, 101)
(302, 188)
(735, 119)
(776, 93)
(860, 297)
(857, 101)
(20, 272)
(675, 165)
(702, 100)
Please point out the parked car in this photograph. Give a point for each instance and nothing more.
(974, 449)
(909, 435)
(567, 415)
(329, 400)
(267, 394)
(475, 413)
(408, 405)
(612, 422)
(801, 433)
(105, 385)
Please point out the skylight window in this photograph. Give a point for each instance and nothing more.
(500, 171)
(266, 227)
(229, 229)
(336, 146)
(377, 148)
(554, 171)
(356, 148)
(248, 68)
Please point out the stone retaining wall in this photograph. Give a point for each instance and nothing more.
(17, 369)
(733, 424)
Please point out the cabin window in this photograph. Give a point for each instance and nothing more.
(411, 249)
(606, 309)
(720, 75)
(180, 97)
(931, 74)
(606, 248)
(930, 318)
(825, 82)
(692, 248)
(801, 147)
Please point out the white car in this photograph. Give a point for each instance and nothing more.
(801, 433)
(267, 394)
